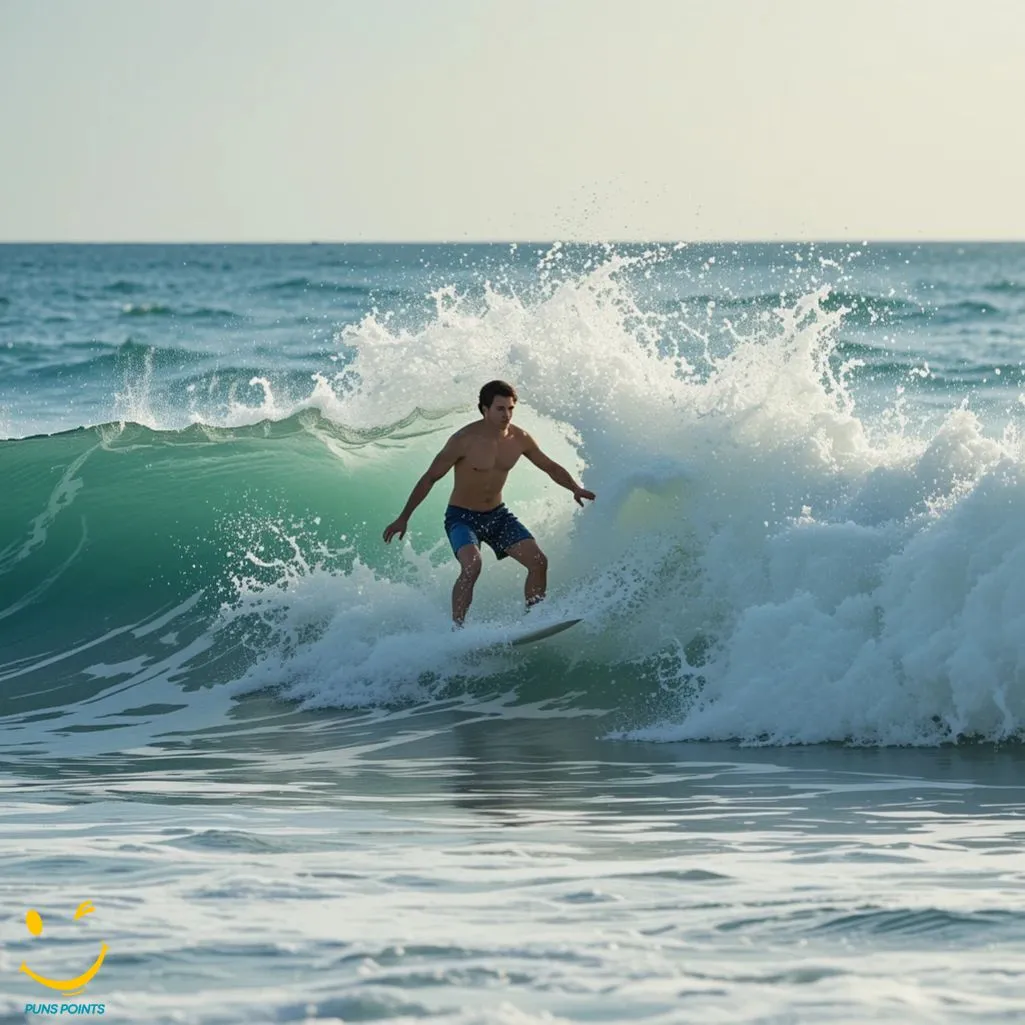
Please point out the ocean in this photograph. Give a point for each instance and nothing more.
(248, 771)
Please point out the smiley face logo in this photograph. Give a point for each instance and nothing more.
(70, 987)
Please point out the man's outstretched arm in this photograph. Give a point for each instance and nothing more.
(558, 473)
(442, 463)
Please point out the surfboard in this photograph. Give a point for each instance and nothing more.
(545, 631)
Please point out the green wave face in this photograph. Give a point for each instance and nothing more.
(114, 528)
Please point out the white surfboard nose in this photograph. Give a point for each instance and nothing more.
(546, 631)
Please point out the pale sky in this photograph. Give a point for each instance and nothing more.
(432, 120)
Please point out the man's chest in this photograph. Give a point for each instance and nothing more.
(485, 456)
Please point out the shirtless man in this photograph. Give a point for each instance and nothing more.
(483, 453)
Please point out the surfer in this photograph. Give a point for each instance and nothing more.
(483, 453)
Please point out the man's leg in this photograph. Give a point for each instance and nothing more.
(469, 570)
(527, 553)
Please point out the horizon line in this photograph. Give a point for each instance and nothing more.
(857, 241)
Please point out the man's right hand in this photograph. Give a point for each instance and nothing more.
(398, 527)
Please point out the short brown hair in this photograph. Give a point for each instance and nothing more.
(492, 390)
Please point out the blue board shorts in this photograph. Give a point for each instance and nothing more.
(497, 527)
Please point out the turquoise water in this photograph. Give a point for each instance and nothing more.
(774, 775)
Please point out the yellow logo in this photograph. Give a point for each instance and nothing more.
(69, 987)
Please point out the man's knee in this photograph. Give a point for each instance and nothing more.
(470, 564)
(527, 553)
(535, 558)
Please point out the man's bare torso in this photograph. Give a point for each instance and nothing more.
(484, 464)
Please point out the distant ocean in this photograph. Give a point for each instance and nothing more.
(775, 775)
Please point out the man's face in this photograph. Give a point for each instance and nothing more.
(500, 412)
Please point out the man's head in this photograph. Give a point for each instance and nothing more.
(496, 402)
